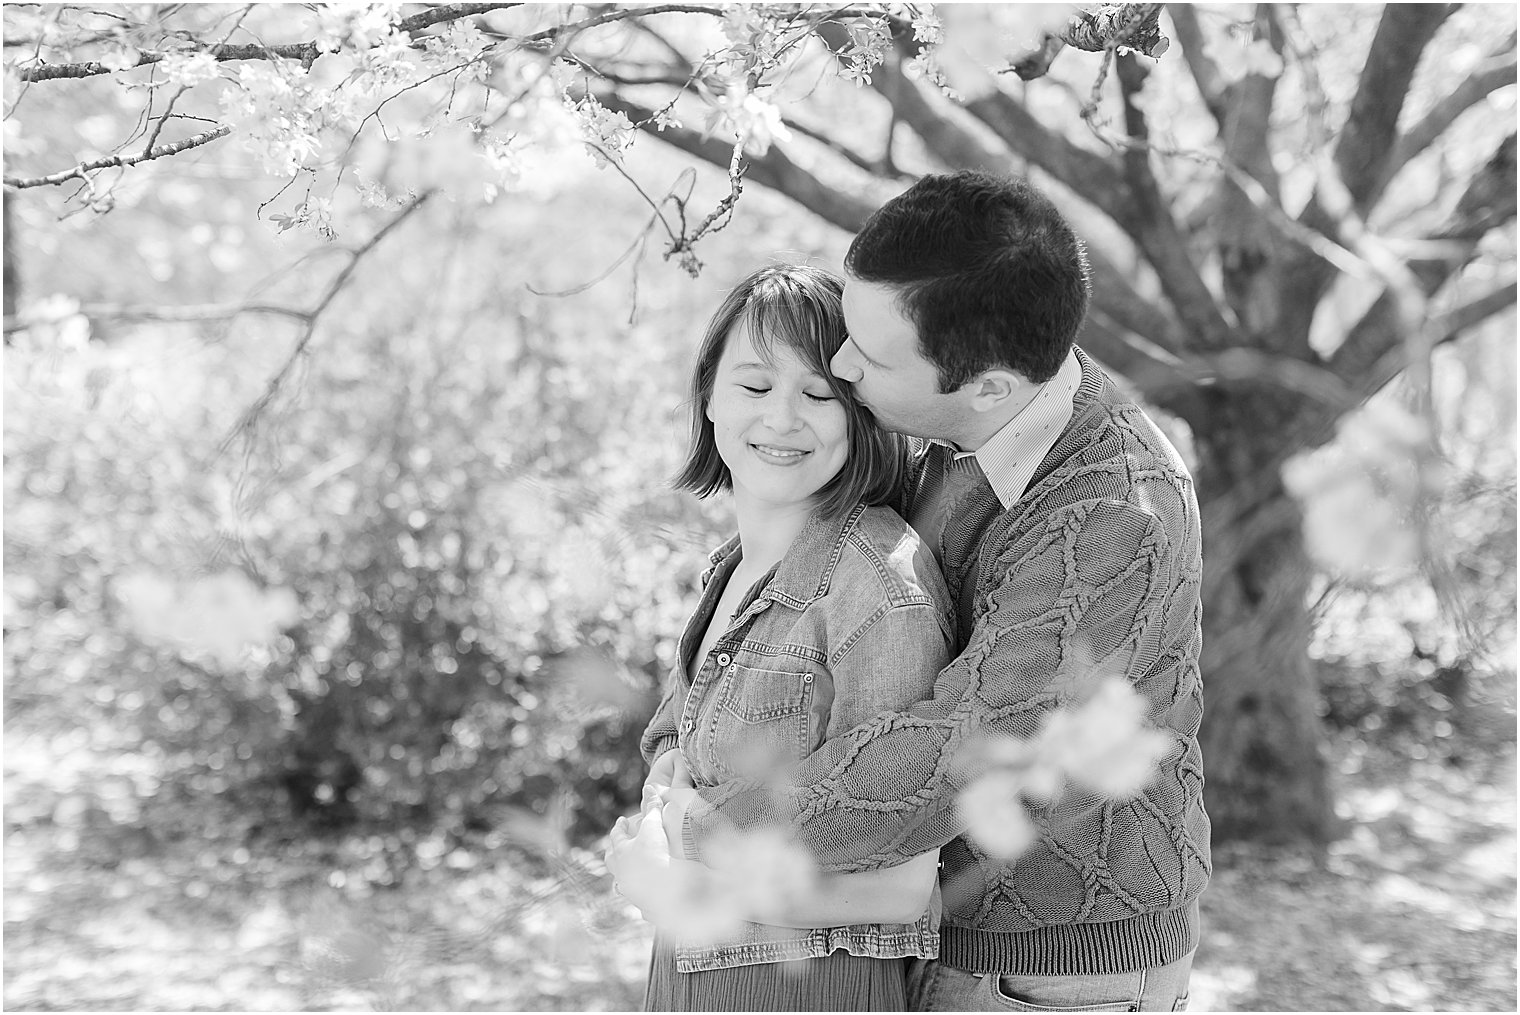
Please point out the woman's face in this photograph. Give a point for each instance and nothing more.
(778, 427)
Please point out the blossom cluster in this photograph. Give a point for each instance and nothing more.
(1100, 744)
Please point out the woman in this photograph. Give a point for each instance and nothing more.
(822, 611)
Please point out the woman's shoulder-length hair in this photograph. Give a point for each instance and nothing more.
(798, 308)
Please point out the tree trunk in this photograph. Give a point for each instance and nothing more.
(1266, 778)
(12, 281)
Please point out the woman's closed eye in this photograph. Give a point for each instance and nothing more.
(819, 398)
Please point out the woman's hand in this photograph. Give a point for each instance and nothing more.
(668, 771)
(639, 859)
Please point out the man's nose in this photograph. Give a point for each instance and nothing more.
(844, 367)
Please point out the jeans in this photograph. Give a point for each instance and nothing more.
(934, 986)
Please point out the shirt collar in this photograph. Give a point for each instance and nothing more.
(807, 568)
(1010, 457)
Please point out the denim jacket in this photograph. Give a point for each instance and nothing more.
(854, 620)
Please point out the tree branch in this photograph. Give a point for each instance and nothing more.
(1363, 153)
(1494, 73)
(79, 171)
(448, 12)
(774, 169)
(1147, 218)
(1248, 202)
(311, 317)
(306, 52)
(1097, 179)
(609, 17)
(947, 137)
(1488, 201)
(187, 313)
(1248, 130)
(854, 158)
(1206, 73)
(1366, 143)
(1446, 328)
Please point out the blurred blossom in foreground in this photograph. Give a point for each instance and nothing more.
(754, 873)
(1361, 495)
(222, 615)
(1101, 744)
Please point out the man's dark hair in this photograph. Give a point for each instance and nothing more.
(987, 270)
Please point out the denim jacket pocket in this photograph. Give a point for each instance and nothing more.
(761, 722)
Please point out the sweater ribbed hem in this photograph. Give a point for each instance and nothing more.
(1077, 949)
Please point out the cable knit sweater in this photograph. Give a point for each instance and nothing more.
(1097, 566)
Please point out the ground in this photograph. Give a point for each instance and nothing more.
(1414, 909)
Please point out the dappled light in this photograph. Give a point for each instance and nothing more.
(346, 351)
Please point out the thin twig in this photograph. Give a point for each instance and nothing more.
(638, 243)
(312, 316)
(174, 99)
(158, 127)
(118, 161)
(553, 34)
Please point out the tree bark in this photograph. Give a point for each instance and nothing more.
(12, 282)
(1266, 778)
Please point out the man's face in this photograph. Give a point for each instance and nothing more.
(889, 375)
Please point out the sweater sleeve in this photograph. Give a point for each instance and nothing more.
(1077, 592)
(660, 734)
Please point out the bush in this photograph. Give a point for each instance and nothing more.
(435, 587)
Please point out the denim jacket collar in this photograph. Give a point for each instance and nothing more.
(804, 572)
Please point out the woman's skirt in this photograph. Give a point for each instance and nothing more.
(837, 982)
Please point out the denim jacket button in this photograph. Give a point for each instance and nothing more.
(723, 658)
(807, 678)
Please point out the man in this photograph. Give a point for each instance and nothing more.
(1068, 532)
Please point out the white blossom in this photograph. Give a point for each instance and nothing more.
(750, 118)
(222, 615)
(1101, 743)
(994, 819)
(189, 69)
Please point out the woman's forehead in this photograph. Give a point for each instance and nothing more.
(753, 343)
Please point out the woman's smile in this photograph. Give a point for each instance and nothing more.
(778, 454)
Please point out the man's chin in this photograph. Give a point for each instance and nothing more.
(886, 424)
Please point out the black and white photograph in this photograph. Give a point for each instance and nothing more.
(759, 507)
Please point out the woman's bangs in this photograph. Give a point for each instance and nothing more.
(774, 326)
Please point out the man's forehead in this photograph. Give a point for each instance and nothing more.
(868, 297)
(875, 319)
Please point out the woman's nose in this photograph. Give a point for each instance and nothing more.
(781, 414)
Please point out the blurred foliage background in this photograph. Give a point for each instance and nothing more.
(321, 693)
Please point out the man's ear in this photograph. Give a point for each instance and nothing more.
(994, 389)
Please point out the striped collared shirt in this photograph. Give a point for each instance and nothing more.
(1011, 455)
